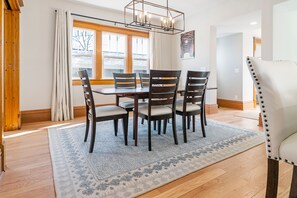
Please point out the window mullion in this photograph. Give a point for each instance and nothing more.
(129, 54)
(98, 55)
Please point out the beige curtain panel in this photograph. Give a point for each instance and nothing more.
(62, 101)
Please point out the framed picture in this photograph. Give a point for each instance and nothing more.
(187, 45)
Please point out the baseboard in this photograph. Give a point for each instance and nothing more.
(42, 115)
(211, 108)
(233, 104)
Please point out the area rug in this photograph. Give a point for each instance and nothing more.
(115, 170)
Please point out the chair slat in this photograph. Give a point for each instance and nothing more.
(196, 74)
(194, 93)
(162, 102)
(195, 87)
(196, 81)
(164, 81)
(159, 89)
(162, 95)
(124, 80)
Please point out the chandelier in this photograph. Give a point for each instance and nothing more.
(154, 17)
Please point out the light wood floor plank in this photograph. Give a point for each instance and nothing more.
(29, 169)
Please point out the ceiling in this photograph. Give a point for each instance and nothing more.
(249, 23)
(238, 24)
(180, 5)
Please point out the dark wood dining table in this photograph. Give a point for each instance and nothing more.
(137, 93)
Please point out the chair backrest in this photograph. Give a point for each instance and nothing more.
(195, 87)
(277, 93)
(124, 80)
(144, 79)
(163, 88)
(88, 95)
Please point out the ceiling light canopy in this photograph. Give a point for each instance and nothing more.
(154, 17)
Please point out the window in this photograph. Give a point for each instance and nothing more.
(83, 51)
(140, 61)
(114, 56)
(104, 50)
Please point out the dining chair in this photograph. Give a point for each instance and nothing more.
(162, 93)
(193, 100)
(124, 80)
(276, 86)
(99, 114)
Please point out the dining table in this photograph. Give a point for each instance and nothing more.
(136, 93)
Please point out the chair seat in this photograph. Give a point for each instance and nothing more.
(190, 107)
(127, 105)
(156, 110)
(109, 111)
(288, 148)
(130, 104)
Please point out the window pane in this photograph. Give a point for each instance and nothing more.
(83, 51)
(140, 50)
(114, 54)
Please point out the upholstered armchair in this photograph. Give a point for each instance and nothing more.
(276, 83)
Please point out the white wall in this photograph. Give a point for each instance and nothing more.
(285, 31)
(37, 40)
(203, 23)
(229, 67)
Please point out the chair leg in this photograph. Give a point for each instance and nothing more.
(293, 191)
(155, 125)
(93, 136)
(184, 128)
(149, 136)
(189, 121)
(164, 126)
(204, 116)
(87, 129)
(272, 179)
(142, 121)
(159, 127)
(125, 129)
(115, 124)
(193, 121)
(174, 129)
(202, 125)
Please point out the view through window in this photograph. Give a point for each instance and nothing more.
(104, 50)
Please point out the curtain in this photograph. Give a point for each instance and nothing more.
(155, 50)
(62, 101)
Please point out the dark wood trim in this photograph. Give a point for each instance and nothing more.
(293, 191)
(233, 104)
(42, 115)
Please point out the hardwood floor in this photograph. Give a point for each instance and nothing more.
(29, 169)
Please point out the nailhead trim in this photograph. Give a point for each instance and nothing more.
(263, 112)
(263, 105)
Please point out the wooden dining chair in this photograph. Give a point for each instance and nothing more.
(162, 94)
(144, 79)
(193, 101)
(277, 93)
(98, 114)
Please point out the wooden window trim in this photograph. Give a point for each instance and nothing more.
(98, 28)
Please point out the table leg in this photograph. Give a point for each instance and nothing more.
(135, 122)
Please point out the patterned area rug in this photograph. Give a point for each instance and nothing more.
(115, 170)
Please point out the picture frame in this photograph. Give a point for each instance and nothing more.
(187, 45)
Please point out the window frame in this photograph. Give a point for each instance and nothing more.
(98, 28)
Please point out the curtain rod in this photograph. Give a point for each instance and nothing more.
(110, 21)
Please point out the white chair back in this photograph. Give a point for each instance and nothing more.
(276, 83)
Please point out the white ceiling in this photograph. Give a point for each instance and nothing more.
(186, 7)
(241, 24)
(189, 7)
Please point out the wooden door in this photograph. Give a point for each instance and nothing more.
(256, 53)
(11, 71)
